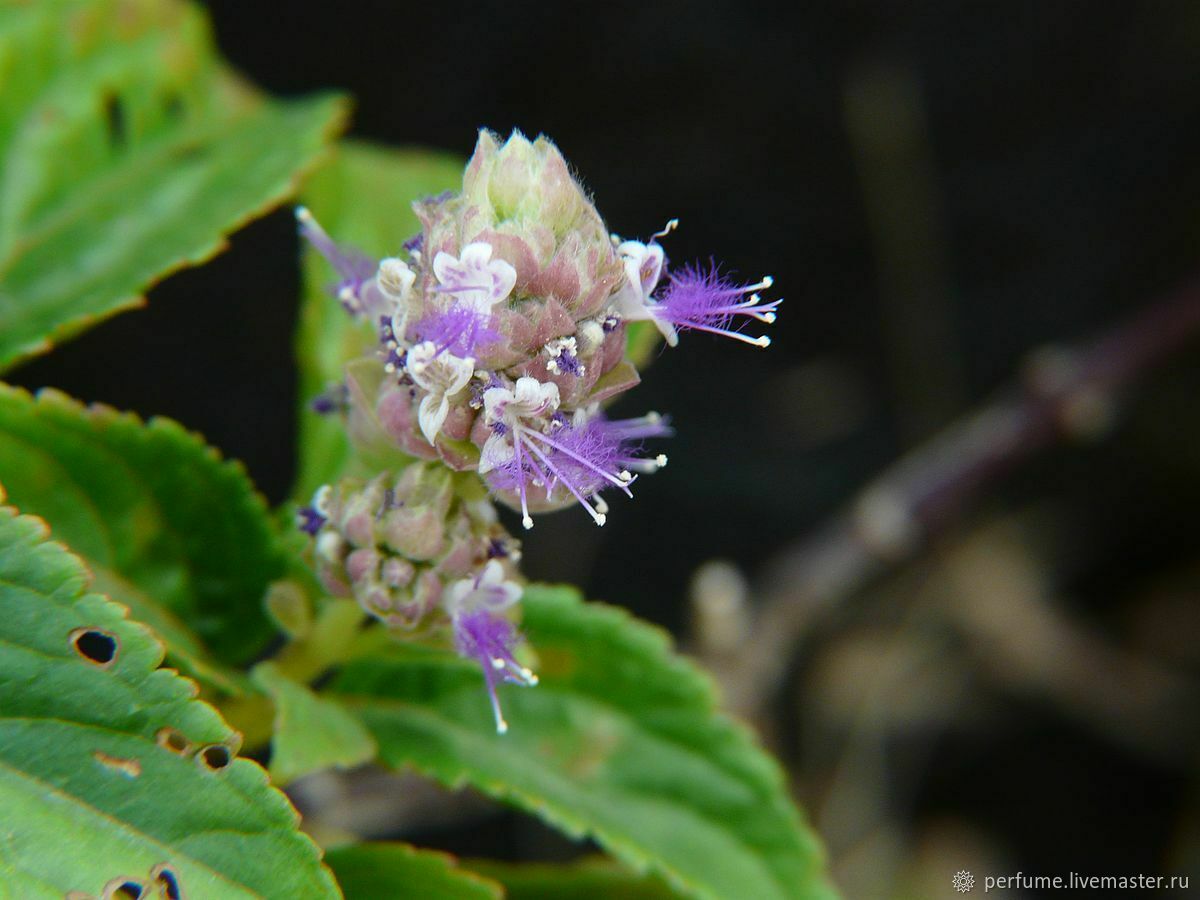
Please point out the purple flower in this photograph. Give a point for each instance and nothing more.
(698, 299)
(309, 520)
(695, 299)
(489, 639)
(583, 456)
(563, 357)
(482, 633)
(353, 267)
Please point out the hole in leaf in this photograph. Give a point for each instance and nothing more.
(167, 882)
(215, 756)
(122, 889)
(173, 740)
(114, 116)
(130, 767)
(94, 645)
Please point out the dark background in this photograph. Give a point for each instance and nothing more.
(939, 189)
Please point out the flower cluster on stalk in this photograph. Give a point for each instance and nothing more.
(501, 335)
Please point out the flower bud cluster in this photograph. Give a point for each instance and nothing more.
(501, 333)
(395, 543)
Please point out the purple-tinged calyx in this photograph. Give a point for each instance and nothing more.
(481, 632)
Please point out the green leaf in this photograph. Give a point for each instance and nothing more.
(363, 198)
(392, 871)
(173, 531)
(587, 878)
(126, 151)
(310, 733)
(109, 766)
(620, 741)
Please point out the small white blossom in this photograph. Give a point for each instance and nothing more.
(442, 376)
(474, 279)
(488, 590)
(395, 281)
(643, 269)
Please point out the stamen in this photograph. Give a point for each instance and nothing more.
(597, 517)
(607, 476)
(671, 225)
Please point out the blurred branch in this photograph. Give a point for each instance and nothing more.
(1063, 394)
(1025, 641)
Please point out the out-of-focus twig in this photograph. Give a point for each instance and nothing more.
(1026, 641)
(1064, 393)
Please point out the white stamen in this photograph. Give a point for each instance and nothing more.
(625, 476)
(497, 663)
(600, 518)
(501, 725)
(303, 215)
(671, 225)
(601, 505)
(661, 460)
(527, 522)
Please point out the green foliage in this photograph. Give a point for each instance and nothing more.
(400, 872)
(587, 878)
(89, 783)
(620, 740)
(310, 733)
(364, 198)
(129, 150)
(172, 531)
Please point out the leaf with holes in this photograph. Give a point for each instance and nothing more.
(109, 766)
(400, 872)
(620, 741)
(126, 151)
(310, 732)
(363, 198)
(170, 529)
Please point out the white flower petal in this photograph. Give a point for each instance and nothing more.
(432, 415)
